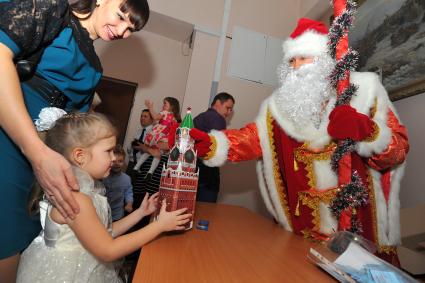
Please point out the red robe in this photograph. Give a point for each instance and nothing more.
(296, 181)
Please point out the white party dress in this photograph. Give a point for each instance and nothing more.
(56, 255)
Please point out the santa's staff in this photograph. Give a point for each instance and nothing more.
(352, 193)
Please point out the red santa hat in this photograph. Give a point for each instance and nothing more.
(308, 39)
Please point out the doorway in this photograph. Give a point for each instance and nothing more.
(117, 100)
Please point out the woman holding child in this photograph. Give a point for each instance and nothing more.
(47, 59)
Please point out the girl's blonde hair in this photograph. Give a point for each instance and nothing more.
(71, 131)
(78, 130)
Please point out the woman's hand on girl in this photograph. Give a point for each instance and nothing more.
(55, 176)
(174, 220)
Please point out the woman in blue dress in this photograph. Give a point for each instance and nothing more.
(50, 43)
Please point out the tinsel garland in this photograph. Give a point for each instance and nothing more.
(345, 147)
(347, 63)
(339, 25)
(350, 197)
(345, 97)
(353, 195)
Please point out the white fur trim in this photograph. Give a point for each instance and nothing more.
(325, 177)
(371, 89)
(268, 185)
(388, 215)
(263, 189)
(220, 156)
(310, 43)
(394, 236)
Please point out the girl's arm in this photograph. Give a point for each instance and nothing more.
(155, 115)
(94, 237)
(50, 168)
(147, 207)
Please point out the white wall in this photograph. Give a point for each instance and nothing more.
(411, 112)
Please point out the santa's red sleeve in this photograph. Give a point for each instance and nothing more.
(397, 149)
(235, 145)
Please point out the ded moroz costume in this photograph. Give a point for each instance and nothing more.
(294, 137)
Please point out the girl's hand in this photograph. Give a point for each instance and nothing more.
(149, 104)
(149, 204)
(174, 220)
(55, 176)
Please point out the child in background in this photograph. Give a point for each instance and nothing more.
(119, 190)
(83, 249)
(169, 115)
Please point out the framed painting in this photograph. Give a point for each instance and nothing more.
(390, 37)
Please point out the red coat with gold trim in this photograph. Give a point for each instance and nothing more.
(294, 172)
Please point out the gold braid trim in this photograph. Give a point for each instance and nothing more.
(312, 198)
(372, 202)
(376, 129)
(374, 108)
(276, 172)
(307, 156)
(387, 249)
(213, 148)
(374, 135)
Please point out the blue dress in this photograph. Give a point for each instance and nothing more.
(69, 62)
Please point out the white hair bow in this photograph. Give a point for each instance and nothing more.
(47, 118)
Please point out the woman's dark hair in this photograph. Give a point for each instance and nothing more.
(175, 107)
(138, 10)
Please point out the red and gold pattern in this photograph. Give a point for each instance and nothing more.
(276, 171)
(308, 156)
(396, 151)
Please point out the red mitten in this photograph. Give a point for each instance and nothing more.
(345, 122)
(202, 142)
(172, 135)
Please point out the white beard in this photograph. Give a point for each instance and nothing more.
(304, 92)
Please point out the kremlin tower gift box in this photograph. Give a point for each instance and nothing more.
(179, 179)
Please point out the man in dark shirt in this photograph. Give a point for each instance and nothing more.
(212, 119)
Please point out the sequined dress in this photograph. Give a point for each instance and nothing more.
(56, 255)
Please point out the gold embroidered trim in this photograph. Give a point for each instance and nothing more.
(213, 148)
(312, 198)
(315, 237)
(276, 172)
(387, 249)
(372, 202)
(307, 156)
(374, 135)
(374, 108)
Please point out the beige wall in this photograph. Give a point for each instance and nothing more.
(411, 112)
(156, 63)
(239, 182)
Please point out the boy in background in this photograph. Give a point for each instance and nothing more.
(119, 190)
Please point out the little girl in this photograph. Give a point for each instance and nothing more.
(169, 115)
(83, 249)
